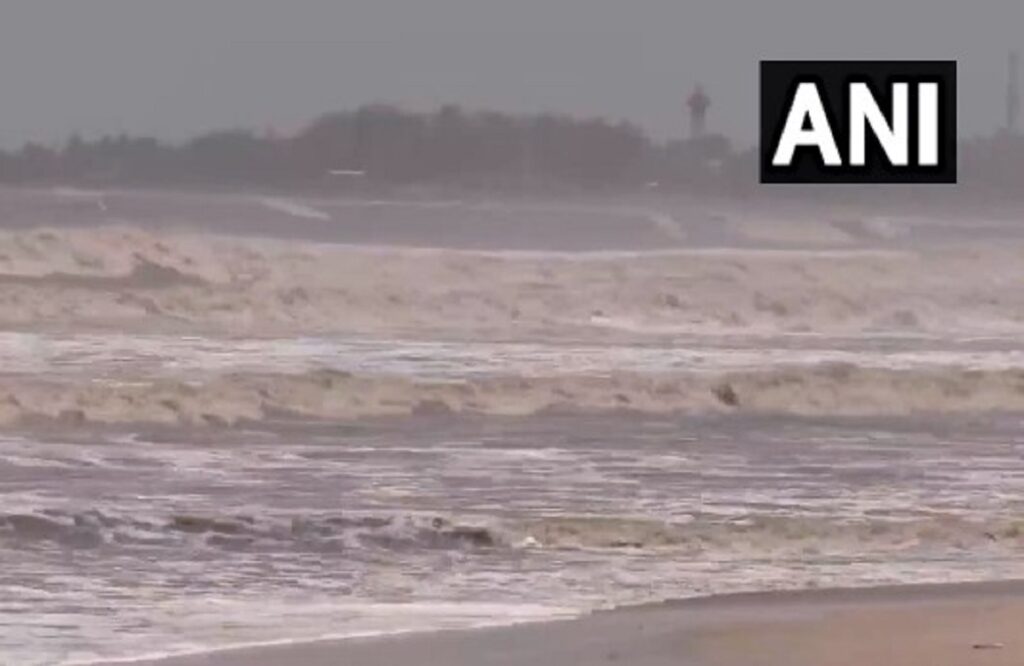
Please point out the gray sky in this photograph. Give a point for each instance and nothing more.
(173, 68)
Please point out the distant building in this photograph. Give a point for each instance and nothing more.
(698, 104)
(1013, 93)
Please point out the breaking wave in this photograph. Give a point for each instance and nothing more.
(765, 535)
(826, 389)
(93, 529)
(127, 277)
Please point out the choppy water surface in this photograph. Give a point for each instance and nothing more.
(131, 541)
(126, 541)
(118, 544)
(118, 356)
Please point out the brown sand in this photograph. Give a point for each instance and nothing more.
(941, 631)
(907, 626)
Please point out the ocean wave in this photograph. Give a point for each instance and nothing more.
(226, 400)
(135, 279)
(387, 532)
(95, 528)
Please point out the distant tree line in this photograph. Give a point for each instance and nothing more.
(383, 146)
(380, 144)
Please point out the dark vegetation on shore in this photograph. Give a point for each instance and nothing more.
(382, 147)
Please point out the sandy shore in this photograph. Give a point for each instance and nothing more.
(909, 626)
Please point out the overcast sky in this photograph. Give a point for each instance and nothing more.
(173, 68)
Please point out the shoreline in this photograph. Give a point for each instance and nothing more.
(912, 625)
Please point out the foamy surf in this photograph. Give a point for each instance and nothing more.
(605, 428)
(139, 280)
(295, 209)
(331, 396)
(380, 620)
(543, 518)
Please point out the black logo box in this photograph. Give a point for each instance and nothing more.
(779, 79)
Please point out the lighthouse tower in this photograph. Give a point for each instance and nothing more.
(1013, 93)
(698, 104)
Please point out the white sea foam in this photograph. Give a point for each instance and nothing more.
(123, 277)
(294, 208)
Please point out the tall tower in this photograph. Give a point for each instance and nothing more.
(698, 103)
(1013, 93)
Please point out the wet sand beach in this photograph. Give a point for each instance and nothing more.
(912, 626)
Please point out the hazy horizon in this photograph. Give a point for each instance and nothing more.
(176, 70)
